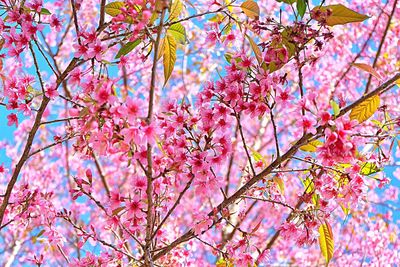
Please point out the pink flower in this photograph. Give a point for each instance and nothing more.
(96, 50)
(325, 117)
(115, 199)
(308, 124)
(244, 260)
(36, 5)
(283, 97)
(134, 207)
(289, 231)
(55, 23)
(81, 50)
(51, 92)
(12, 119)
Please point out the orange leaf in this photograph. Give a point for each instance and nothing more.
(367, 68)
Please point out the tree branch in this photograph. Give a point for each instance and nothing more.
(303, 140)
(378, 52)
(102, 12)
(31, 136)
(149, 189)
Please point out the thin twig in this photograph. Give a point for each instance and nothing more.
(244, 144)
(103, 178)
(149, 189)
(174, 206)
(359, 53)
(278, 154)
(241, 191)
(378, 52)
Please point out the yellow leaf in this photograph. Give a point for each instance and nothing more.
(169, 56)
(326, 242)
(365, 109)
(367, 68)
(311, 146)
(160, 49)
(153, 18)
(228, 3)
(223, 263)
(393, 237)
(114, 8)
(179, 32)
(341, 15)
(251, 9)
(256, 49)
(346, 210)
(280, 184)
(176, 10)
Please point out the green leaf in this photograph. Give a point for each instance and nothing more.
(311, 146)
(365, 109)
(179, 32)
(228, 57)
(176, 9)
(169, 56)
(128, 47)
(335, 107)
(341, 15)
(256, 49)
(251, 9)
(114, 8)
(326, 242)
(301, 7)
(286, 1)
(257, 156)
(45, 11)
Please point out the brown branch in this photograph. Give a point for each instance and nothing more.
(244, 143)
(303, 112)
(270, 201)
(194, 16)
(31, 136)
(37, 67)
(378, 52)
(103, 178)
(75, 21)
(173, 207)
(290, 216)
(59, 120)
(51, 145)
(24, 157)
(278, 154)
(94, 237)
(230, 164)
(149, 189)
(102, 12)
(303, 140)
(237, 226)
(359, 53)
